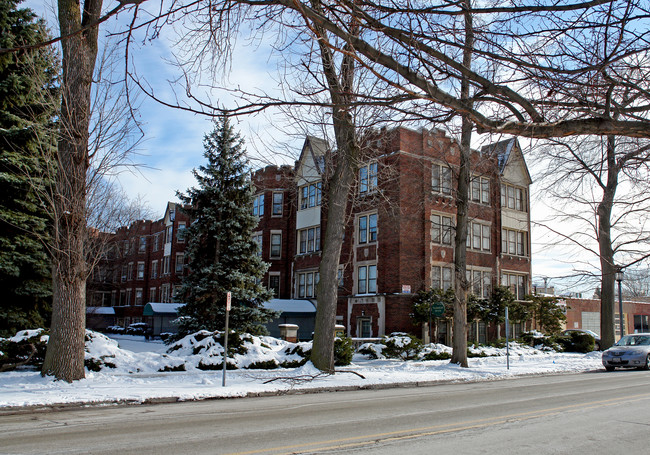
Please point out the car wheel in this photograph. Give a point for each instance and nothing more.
(647, 363)
(597, 346)
(610, 368)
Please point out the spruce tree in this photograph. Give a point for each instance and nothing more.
(28, 107)
(222, 255)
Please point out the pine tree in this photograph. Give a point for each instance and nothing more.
(28, 107)
(222, 255)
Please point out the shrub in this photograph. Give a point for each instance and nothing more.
(401, 346)
(262, 365)
(26, 348)
(169, 368)
(576, 342)
(433, 355)
(343, 351)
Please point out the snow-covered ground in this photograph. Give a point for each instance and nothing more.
(137, 379)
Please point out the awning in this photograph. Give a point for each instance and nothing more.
(290, 305)
(104, 310)
(156, 309)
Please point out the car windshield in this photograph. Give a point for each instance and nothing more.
(634, 340)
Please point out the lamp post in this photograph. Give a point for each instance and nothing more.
(619, 278)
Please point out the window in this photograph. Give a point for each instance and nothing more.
(440, 179)
(166, 265)
(513, 198)
(123, 297)
(367, 279)
(128, 297)
(274, 284)
(641, 323)
(129, 275)
(154, 269)
(368, 178)
(125, 246)
(514, 242)
(138, 297)
(518, 284)
(310, 195)
(309, 240)
(258, 205)
(156, 242)
(124, 273)
(180, 235)
(307, 282)
(276, 245)
(367, 228)
(140, 271)
(441, 229)
(152, 294)
(277, 204)
(339, 276)
(478, 236)
(143, 245)
(169, 231)
(164, 293)
(480, 190)
(257, 238)
(180, 260)
(480, 282)
(441, 277)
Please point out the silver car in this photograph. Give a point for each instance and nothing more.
(631, 351)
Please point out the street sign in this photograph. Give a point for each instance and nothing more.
(437, 309)
(228, 295)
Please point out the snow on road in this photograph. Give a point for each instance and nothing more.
(28, 388)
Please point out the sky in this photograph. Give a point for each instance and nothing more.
(172, 144)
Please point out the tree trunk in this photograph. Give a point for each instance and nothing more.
(340, 85)
(65, 350)
(459, 340)
(607, 266)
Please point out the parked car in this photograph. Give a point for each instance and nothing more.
(115, 329)
(631, 351)
(589, 332)
(137, 328)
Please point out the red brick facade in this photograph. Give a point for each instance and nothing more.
(399, 237)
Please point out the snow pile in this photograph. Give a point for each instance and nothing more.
(27, 335)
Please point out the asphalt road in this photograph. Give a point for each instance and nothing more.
(594, 413)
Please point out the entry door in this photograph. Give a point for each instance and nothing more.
(364, 327)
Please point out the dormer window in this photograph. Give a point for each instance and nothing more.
(310, 195)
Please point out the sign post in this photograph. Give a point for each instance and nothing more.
(225, 343)
(507, 340)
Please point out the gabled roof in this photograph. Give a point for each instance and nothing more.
(504, 151)
(317, 148)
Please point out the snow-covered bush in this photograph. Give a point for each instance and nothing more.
(26, 348)
(397, 345)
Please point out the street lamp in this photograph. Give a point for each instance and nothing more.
(619, 278)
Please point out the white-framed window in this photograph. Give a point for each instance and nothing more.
(478, 236)
(156, 241)
(165, 265)
(368, 178)
(276, 245)
(518, 284)
(442, 277)
(513, 197)
(152, 294)
(180, 233)
(367, 228)
(180, 262)
(169, 232)
(154, 269)
(309, 240)
(306, 284)
(142, 247)
(274, 283)
(140, 273)
(138, 297)
(129, 291)
(165, 296)
(480, 282)
(257, 238)
(278, 202)
(129, 275)
(441, 179)
(124, 272)
(367, 279)
(258, 205)
(442, 229)
(480, 190)
(514, 242)
(310, 195)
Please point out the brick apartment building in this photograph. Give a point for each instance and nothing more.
(144, 262)
(399, 234)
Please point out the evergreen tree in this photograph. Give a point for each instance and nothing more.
(28, 108)
(222, 255)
